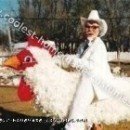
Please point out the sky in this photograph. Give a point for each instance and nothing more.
(7, 7)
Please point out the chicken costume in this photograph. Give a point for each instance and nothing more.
(25, 59)
(89, 95)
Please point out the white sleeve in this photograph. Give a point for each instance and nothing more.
(63, 61)
(96, 58)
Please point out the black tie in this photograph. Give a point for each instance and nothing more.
(85, 47)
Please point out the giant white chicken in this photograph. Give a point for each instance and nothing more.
(54, 90)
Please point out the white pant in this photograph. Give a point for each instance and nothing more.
(83, 98)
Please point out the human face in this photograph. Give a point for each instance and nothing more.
(92, 30)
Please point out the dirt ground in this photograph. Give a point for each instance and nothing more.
(9, 101)
(125, 67)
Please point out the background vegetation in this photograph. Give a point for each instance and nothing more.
(60, 19)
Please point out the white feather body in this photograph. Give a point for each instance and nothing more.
(55, 89)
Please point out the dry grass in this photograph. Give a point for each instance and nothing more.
(125, 67)
(10, 101)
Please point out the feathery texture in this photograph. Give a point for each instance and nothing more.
(53, 86)
(55, 89)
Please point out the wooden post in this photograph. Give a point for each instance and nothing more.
(118, 57)
(118, 53)
(9, 39)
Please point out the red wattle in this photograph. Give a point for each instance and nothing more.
(24, 91)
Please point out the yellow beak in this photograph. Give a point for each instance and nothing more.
(13, 62)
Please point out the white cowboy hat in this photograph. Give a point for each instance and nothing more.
(95, 16)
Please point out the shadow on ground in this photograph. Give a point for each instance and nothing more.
(15, 121)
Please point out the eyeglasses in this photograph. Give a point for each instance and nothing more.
(91, 27)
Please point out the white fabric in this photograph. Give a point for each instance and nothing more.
(94, 64)
(99, 95)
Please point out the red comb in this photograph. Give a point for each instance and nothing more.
(34, 41)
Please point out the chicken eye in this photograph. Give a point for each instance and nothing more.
(28, 59)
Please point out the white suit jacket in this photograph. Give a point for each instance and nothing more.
(94, 59)
(93, 62)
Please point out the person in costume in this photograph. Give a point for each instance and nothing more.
(96, 74)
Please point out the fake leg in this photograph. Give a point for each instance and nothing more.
(83, 98)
